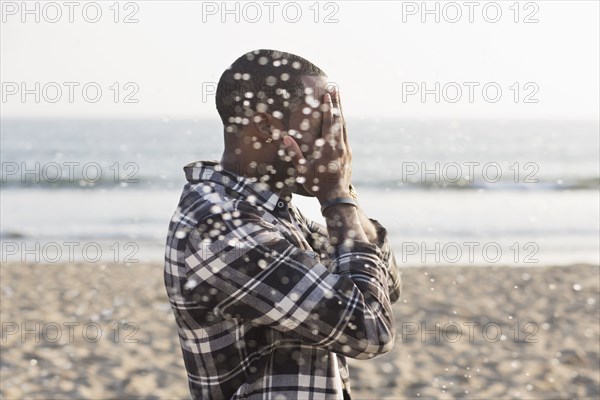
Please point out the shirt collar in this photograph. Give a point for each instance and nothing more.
(212, 171)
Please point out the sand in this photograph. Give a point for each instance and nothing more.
(462, 332)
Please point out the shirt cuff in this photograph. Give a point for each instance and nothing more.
(381, 233)
(358, 246)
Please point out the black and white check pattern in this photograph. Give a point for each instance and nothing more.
(265, 307)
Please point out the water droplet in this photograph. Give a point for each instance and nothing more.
(215, 209)
(190, 284)
(271, 81)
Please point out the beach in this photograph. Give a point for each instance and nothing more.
(106, 331)
(469, 131)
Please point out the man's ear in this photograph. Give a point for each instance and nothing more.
(260, 121)
(266, 125)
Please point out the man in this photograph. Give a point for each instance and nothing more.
(268, 303)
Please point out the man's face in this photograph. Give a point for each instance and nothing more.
(304, 126)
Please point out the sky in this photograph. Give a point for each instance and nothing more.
(500, 60)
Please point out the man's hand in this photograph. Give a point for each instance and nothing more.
(328, 173)
(335, 182)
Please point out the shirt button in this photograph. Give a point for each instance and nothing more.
(280, 204)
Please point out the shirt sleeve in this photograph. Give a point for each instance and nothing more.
(320, 243)
(395, 280)
(262, 277)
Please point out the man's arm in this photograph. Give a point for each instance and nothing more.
(378, 236)
(345, 227)
(260, 276)
(335, 183)
(382, 242)
(368, 226)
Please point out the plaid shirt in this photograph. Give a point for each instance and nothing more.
(265, 307)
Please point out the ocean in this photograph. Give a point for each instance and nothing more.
(449, 192)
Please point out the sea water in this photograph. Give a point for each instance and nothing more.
(468, 192)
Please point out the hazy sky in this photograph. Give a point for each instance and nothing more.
(381, 54)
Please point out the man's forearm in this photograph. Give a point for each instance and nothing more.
(343, 223)
(367, 226)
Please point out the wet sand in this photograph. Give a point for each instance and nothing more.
(107, 331)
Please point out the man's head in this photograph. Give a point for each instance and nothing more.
(263, 96)
(262, 81)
